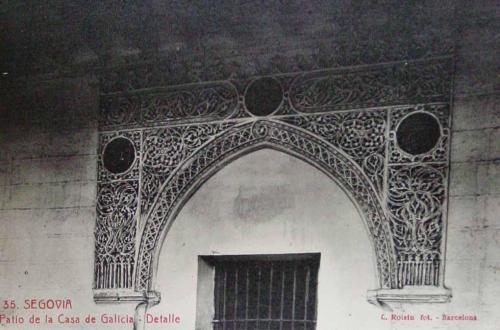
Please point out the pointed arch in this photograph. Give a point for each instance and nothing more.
(241, 140)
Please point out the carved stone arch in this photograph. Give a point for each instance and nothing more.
(243, 139)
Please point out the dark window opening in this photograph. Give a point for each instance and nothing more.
(276, 292)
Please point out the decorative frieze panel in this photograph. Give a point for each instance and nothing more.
(311, 92)
(401, 83)
(323, 92)
(381, 132)
(171, 105)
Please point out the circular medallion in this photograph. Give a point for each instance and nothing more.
(263, 96)
(118, 155)
(418, 133)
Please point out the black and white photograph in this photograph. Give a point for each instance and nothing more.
(249, 165)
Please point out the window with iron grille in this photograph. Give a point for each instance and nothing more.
(272, 292)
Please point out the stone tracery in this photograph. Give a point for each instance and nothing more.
(342, 122)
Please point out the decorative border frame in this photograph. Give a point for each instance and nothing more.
(341, 121)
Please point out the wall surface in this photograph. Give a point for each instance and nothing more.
(47, 201)
(48, 143)
(270, 203)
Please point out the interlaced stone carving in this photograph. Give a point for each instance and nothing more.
(360, 134)
(215, 102)
(386, 85)
(343, 121)
(205, 102)
(241, 139)
(115, 234)
(320, 92)
(415, 203)
(165, 149)
(117, 203)
(119, 112)
(312, 92)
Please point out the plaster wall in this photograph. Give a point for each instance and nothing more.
(47, 201)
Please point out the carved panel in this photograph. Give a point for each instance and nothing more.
(415, 203)
(176, 104)
(165, 149)
(360, 134)
(115, 234)
(344, 121)
(322, 92)
(401, 83)
(309, 92)
(244, 137)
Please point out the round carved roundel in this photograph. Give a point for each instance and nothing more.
(119, 155)
(263, 96)
(418, 133)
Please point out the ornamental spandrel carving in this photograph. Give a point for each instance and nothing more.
(165, 149)
(360, 134)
